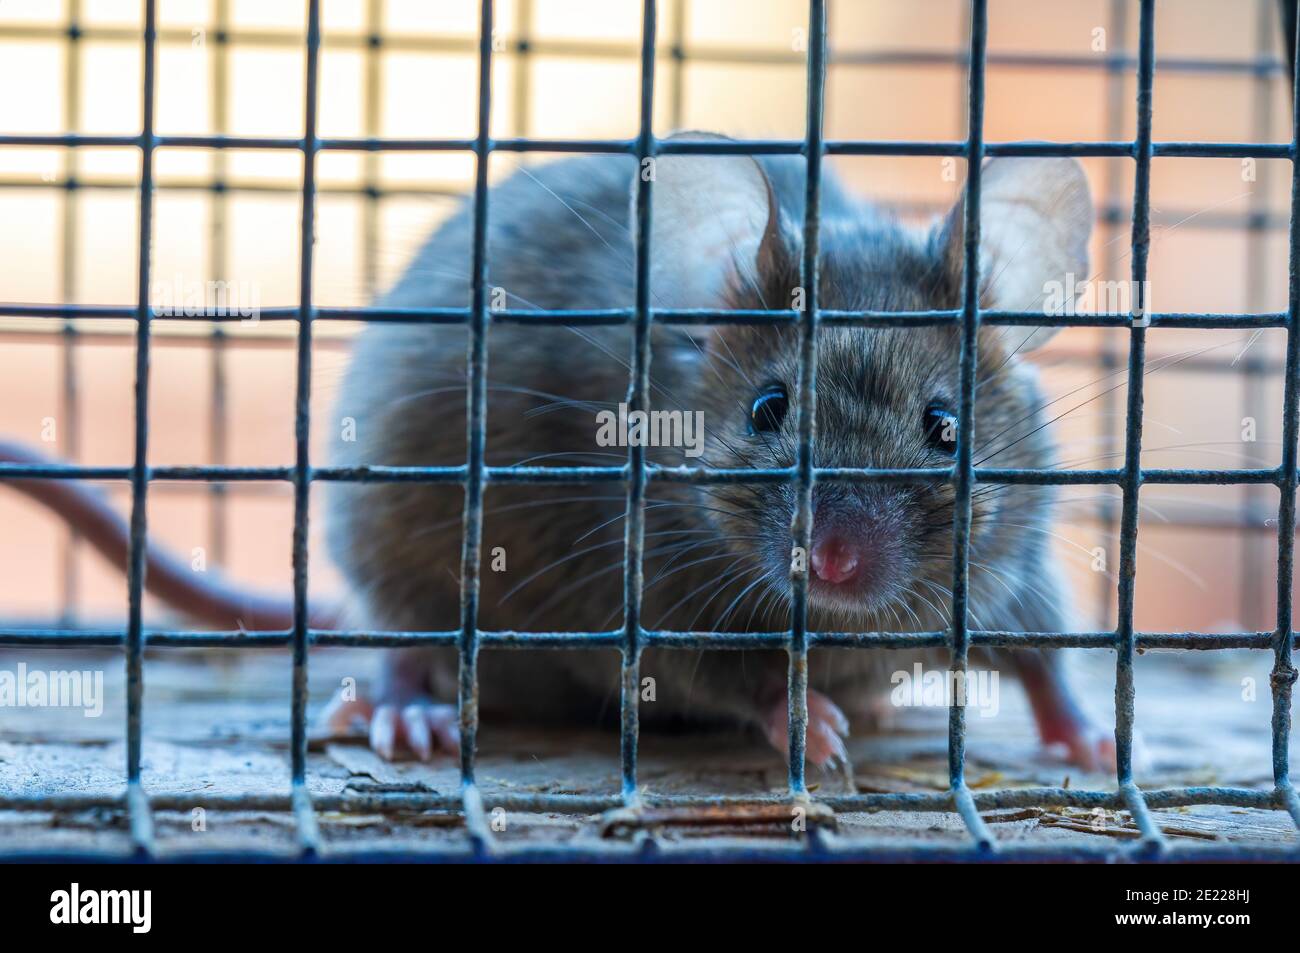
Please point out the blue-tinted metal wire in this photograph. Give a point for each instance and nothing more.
(855, 147)
(638, 398)
(964, 469)
(1283, 676)
(306, 826)
(689, 317)
(476, 427)
(141, 826)
(801, 530)
(1141, 242)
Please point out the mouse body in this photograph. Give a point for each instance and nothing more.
(726, 233)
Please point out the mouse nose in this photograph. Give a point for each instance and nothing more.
(834, 559)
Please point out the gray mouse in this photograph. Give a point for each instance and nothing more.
(727, 233)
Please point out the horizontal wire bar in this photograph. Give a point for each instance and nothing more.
(291, 40)
(914, 802)
(1169, 216)
(44, 637)
(168, 334)
(723, 147)
(686, 317)
(811, 848)
(725, 849)
(695, 476)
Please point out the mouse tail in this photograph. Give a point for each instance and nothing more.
(207, 598)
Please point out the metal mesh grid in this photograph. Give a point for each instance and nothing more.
(631, 638)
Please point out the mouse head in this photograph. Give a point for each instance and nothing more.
(727, 233)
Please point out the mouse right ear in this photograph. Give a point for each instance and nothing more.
(712, 219)
(1035, 223)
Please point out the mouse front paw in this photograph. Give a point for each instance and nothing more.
(418, 726)
(827, 728)
(1087, 744)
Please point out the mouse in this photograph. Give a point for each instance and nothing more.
(726, 234)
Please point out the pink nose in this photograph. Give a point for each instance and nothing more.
(834, 561)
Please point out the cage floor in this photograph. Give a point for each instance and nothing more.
(216, 723)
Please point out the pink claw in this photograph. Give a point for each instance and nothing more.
(827, 729)
(1088, 745)
(422, 727)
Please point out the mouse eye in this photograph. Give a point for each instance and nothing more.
(940, 425)
(768, 409)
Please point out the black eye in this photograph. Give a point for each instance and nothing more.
(769, 409)
(940, 425)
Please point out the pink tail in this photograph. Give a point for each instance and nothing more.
(211, 600)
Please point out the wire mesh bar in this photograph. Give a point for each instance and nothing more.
(306, 825)
(1109, 213)
(219, 209)
(524, 67)
(835, 147)
(1117, 41)
(638, 400)
(1283, 676)
(1252, 577)
(1141, 243)
(70, 408)
(806, 423)
(677, 89)
(650, 638)
(699, 52)
(141, 826)
(699, 476)
(607, 317)
(372, 104)
(964, 468)
(738, 850)
(476, 425)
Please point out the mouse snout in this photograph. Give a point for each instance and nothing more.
(836, 558)
(857, 554)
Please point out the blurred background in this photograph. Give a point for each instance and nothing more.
(1059, 70)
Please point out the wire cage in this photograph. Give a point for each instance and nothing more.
(637, 474)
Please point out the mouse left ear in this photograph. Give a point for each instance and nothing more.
(1035, 222)
(713, 217)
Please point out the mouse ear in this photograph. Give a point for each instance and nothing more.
(1035, 222)
(712, 219)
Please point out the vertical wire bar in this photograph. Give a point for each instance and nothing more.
(138, 808)
(71, 403)
(1252, 587)
(476, 425)
(308, 836)
(677, 90)
(964, 468)
(1141, 245)
(1116, 46)
(372, 98)
(523, 68)
(638, 400)
(809, 279)
(1287, 14)
(218, 205)
(1283, 676)
(963, 74)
